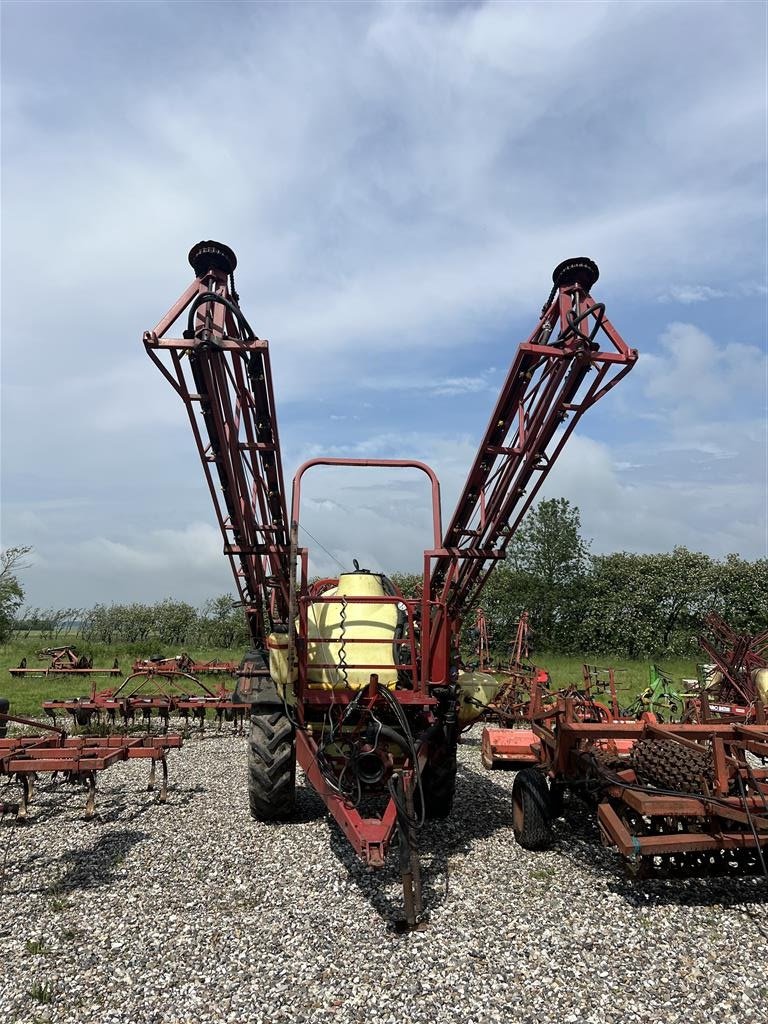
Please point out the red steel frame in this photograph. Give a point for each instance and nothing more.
(556, 375)
(80, 757)
(64, 661)
(566, 745)
(483, 648)
(369, 836)
(736, 656)
(231, 407)
(161, 691)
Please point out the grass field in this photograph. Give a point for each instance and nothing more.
(26, 693)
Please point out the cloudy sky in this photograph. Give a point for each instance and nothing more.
(398, 182)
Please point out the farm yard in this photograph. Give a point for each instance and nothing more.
(27, 693)
(192, 912)
(409, 666)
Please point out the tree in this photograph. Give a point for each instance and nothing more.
(548, 558)
(12, 561)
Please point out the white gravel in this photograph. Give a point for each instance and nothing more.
(194, 913)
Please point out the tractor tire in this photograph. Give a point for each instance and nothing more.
(438, 783)
(271, 766)
(531, 812)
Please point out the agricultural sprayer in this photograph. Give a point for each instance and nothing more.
(356, 682)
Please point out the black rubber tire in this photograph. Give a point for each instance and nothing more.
(438, 782)
(83, 718)
(556, 800)
(271, 766)
(531, 811)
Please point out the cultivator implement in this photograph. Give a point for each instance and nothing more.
(77, 759)
(525, 698)
(148, 693)
(185, 663)
(64, 661)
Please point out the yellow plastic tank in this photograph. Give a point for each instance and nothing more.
(760, 676)
(333, 629)
(475, 686)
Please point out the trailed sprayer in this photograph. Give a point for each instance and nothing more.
(357, 682)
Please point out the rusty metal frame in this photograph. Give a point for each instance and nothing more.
(222, 373)
(77, 757)
(548, 385)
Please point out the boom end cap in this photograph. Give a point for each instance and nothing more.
(578, 270)
(212, 255)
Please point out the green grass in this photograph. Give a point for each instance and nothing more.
(27, 693)
(41, 993)
(632, 677)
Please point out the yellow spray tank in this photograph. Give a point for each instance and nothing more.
(334, 632)
(476, 688)
(760, 677)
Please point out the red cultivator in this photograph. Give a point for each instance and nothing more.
(362, 686)
(63, 661)
(152, 691)
(526, 697)
(77, 759)
(184, 663)
(676, 796)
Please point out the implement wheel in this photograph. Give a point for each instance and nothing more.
(438, 782)
(271, 766)
(531, 812)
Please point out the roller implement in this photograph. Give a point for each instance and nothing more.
(359, 684)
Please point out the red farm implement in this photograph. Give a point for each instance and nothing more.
(358, 683)
(481, 640)
(670, 797)
(527, 695)
(77, 759)
(735, 682)
(152, 691)
(63, 661)
(185, 663)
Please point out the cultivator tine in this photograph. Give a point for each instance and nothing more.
(163, 797)
(152, 768)
(90, 803)
(22, 814)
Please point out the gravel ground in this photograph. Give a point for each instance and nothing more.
(192, 912)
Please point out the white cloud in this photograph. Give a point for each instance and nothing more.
(696, 376)
(398, 181)
(687, 294)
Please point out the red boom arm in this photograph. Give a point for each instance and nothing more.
(550, 383)
(231, 407)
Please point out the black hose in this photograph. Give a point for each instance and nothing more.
(213, 297)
